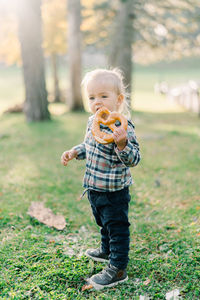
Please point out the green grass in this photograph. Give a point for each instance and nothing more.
(37, 262)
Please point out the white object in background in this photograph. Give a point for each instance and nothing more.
(173, 295)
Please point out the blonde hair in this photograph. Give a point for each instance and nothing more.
(116, 78)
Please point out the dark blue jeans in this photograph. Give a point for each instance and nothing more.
(110, 210)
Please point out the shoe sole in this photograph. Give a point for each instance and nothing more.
(100, 287)
(96, 258)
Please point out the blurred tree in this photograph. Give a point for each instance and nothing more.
(115, 33)
(158, 26)
(160, 30)
(143, 31)
(10, 47)
(74, 50)
(163, 30)
(36, 105)
(122, 40)
(55, 40)
(93, 14)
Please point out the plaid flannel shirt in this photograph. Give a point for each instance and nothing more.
(107, 168)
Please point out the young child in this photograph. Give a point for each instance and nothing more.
(107, 177)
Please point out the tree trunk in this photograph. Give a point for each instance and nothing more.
(74, 45)
(57, 97)
(121, 49)
(30, 36)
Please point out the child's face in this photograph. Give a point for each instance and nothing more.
(102, 93)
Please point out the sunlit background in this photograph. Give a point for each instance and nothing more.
(164, 39)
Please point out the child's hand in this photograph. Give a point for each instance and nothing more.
(120, 138)
(67, 156)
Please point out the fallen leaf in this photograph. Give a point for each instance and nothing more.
(46, 216)
(28, 227)
(15, 109)
(146, 282)
(51, 241)
(192, 224)
(69, 251)
(86, 287)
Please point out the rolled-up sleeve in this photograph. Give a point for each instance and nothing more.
(130, 155)
(81, 151)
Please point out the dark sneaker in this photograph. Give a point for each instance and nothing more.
(97, 254)
(109, 277)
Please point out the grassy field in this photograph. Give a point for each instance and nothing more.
(37, 262)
